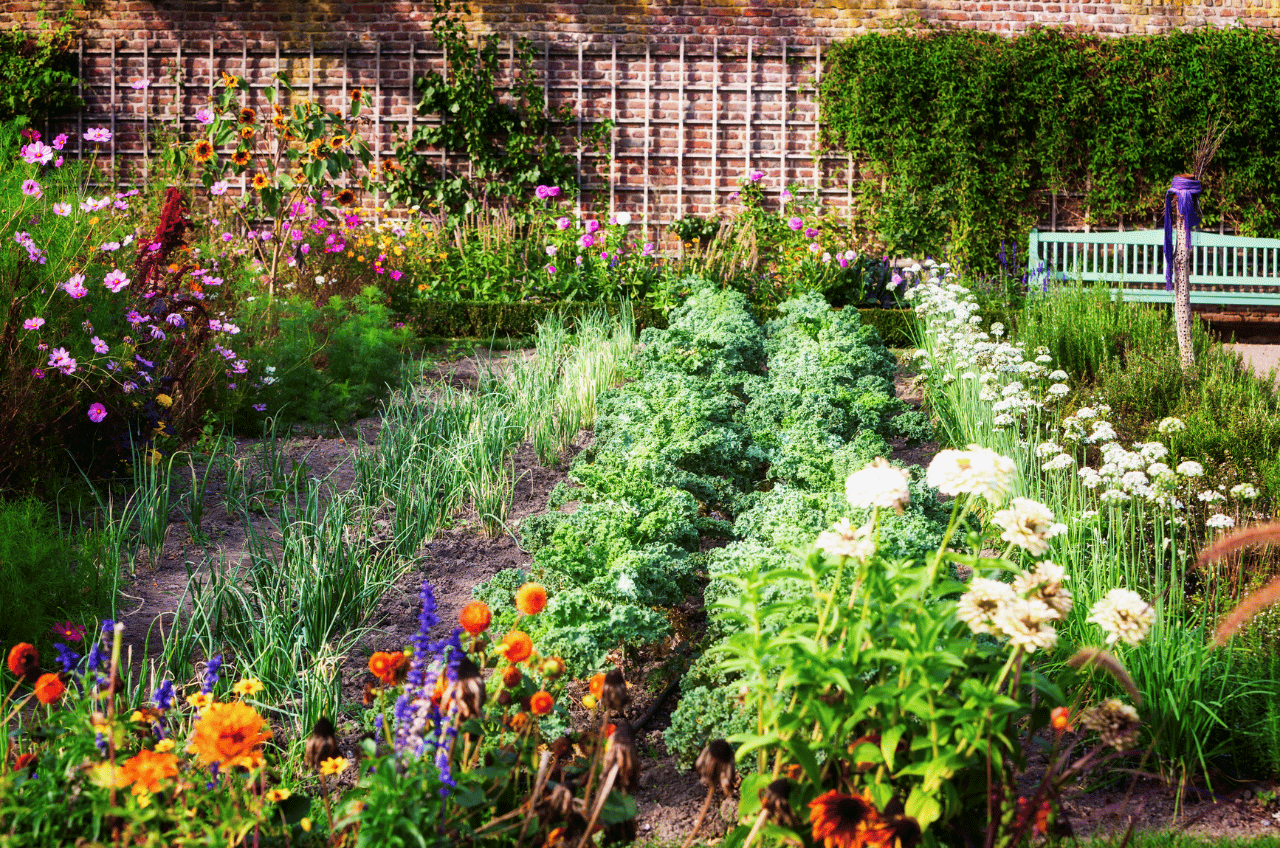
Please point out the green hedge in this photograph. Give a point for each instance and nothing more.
(475, 319)
(961, 132)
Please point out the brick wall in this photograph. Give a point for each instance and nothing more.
(702, 92)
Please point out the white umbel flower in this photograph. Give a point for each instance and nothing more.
(985, 599)
(1190, 468)
(879, 484)
(977, 471)
(1244, 491)
(1170, 425)
(1028, 524)
(1124, 616)
(1219, 521)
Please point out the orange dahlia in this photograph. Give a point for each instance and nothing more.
(541, 703)
(517, 647)
(531, 598)
(475, 617)
(842, 821)
(49, 688)
(24, 659)
(146, 769)
(230, 735)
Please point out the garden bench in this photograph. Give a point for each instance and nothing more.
(1225, 270)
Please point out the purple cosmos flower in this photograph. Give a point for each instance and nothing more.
(31, 188)
(175, 320)
(62, 360)
(260, 407)
(204, 116)
(97, 412)
(75, 287)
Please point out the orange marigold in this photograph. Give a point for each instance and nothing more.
(230, 735)
(389, 667)
(596, 685)
(531, 598)
(517, 646)
(475, 617)
(49, 688)
(841, 821)
(23, 659)
(146, 769)
(541, 703)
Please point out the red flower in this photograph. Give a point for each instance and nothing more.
(49, 688)
(542, 703)
(24, 660)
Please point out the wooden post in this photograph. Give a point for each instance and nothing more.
(1182, 288)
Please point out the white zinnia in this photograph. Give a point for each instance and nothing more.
(1171, 425)
(1028, 524)
(879, 484)
(1244, 491)
(845, 540)
(1123, 615)
(977, 471)
(1044, 584)
(979, 606)
(1028, 624)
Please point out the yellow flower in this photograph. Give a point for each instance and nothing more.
(200, 701)
(164, 400)
(305, 824)
(275, 796)
(164, 745)
(250, 686)
(334, 765)
(589, 701)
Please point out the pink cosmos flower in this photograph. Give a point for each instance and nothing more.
(649, 249)
(60, 141)
(259, 407)
(551, 269)
(204, 116)
(33, 323)
(219, 188)
(62, 360)
(75, 287)
(65, 629)
(139, 84)
(31, 188)
(97, 412)
(115, 281)
(36, 153)
(62, 210)
(97, 134)
(756, 176)
(99, 346)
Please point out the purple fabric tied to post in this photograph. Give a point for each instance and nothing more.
(1185, 190)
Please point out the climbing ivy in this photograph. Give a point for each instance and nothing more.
(38, 72)
(960, 134)
(509, 141)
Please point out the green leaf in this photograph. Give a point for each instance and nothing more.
(618, 808)
(749, 793)
(922, 807)
(889, 743)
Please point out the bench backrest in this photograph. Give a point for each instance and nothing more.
(1224, 269)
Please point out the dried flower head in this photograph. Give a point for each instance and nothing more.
(468, 689)
(716, 768)
(878, 485)
(620, 751)
(322, 744)
(775, 800)
(1123, 615)
(1115, 722)
(614, 696)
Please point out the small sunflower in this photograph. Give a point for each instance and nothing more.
(247, 115)
(240, 157)
(318, 150)
(338, 142)
(346, 197)
(247, 132)
(260, 181)
(203, 150)
(279, 122)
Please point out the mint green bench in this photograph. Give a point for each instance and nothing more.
(1225, 270)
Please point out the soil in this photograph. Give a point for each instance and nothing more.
(463, 556)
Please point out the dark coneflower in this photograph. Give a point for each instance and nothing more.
(842, 821)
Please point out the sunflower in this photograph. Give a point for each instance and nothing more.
(841, 821)
(247, 132)
(240, 157)
(318, 150)
(346, 197)
(279, 122)
(338, 142)
(247, 115)
(203, 151)
(260, 181)
(230, 735)
(230, 81)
